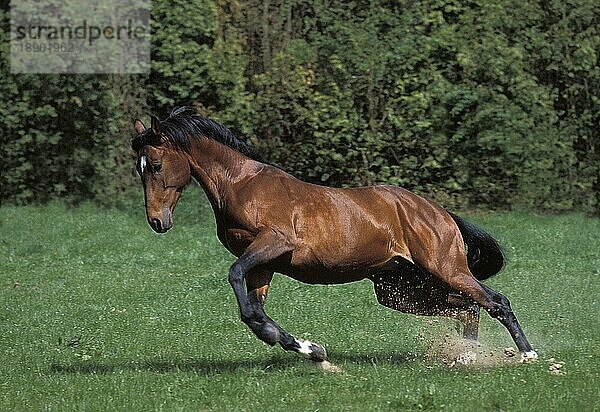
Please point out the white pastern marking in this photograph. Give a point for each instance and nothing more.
(143, 164)
(530, 356)
(305, 347)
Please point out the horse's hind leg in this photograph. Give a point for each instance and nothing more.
(470, 320)
(409, 289)
(497, 305)
(456, 274)
(500, 309)
(467, 316)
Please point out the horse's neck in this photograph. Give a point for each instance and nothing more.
(218, 168)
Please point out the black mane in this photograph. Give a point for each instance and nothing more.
(183, 124)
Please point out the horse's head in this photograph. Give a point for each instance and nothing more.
(164, 170)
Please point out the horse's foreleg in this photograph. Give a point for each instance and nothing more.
(257, 284)
(266, 248)
(270, 332)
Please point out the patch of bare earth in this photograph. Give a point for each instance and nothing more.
(453, 351)
(556, 368)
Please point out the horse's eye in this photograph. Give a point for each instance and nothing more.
(156, 167)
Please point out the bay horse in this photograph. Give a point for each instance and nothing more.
(421, 258)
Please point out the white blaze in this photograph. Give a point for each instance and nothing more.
(143, 164)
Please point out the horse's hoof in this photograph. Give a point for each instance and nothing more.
(327, 366)
(313, 351)
(318, 353)
(529, 356)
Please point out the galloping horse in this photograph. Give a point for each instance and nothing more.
(421, 258)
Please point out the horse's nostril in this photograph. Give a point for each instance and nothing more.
(157, 224)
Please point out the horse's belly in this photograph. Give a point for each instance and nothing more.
(315, 276)
(308, 266)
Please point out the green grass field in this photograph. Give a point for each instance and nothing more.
(99, 313)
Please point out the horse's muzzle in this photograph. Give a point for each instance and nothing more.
(161, 225)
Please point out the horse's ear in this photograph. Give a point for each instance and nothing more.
(139, 126)
(155, 124)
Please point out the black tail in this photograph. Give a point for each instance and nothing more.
(484, 255)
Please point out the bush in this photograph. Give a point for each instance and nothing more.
(475, 104)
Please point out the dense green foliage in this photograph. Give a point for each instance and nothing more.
(476, 103)
(98, 313)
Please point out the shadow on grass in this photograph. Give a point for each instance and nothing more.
(214, 367)
(376, 358)
(200, 366)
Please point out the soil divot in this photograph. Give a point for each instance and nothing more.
(454, 351)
